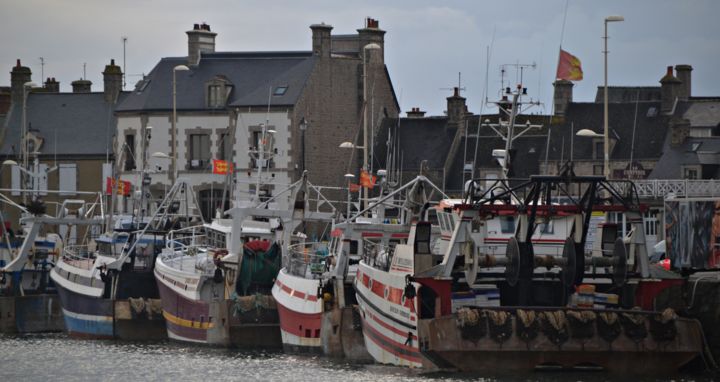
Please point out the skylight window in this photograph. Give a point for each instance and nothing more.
(280, 90)
(696, 146)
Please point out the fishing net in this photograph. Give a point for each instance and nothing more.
(634, 326)
(582, 323)
(258, 269)
(137, 305)
(472, 324)
(527, 325)
(499, 325)
(608, 326)
(662, 326)
(554, 326)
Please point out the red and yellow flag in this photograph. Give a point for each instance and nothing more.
(569, 67)
(221, 167)
(123, 186)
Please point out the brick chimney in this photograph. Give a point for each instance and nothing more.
(684, 74)
(372, 34)
(51, 85)
(669, 88)
(415, 113)
(321, 43)
(200, 39)
(112, 82)
(563, 95)
(18, 77)
(456, 110)
(81, 86)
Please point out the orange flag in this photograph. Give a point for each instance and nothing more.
(569, 67)
(367, 180)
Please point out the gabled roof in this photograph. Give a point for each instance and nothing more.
(68, 123)
(253, 75)
(700, 112)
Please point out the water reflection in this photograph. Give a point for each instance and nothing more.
(55, 357)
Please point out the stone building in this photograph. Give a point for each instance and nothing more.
(301, 105)
(68, 139)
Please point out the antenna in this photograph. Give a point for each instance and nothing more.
(459, 85)
(42, 69)
(124, 42)
(84, 65)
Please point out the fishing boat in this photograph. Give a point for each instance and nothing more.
(215, 280)
(314, 293)
(106, 285)
(417, 313)
(29, 300)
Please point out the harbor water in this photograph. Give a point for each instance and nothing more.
(55, 357)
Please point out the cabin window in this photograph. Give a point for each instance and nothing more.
(507, 224)
(547, 228)
(353, 247)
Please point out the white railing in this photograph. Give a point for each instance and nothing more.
(661, 188)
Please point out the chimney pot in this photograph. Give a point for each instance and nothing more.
(18, 63)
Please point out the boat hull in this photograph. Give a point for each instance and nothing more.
(186, 320)
(476, 349)
(389, 320)
(300, 313)
(85, 316)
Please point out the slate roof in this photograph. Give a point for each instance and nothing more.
(427, 139)
(252, 74)
(69, 123)
(701, 113)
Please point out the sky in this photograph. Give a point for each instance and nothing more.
(428, 43)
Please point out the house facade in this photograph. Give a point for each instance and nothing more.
(68, 138)
(269, 114)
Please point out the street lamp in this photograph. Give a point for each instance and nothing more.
(589, 134)
(371, 46)
(606, 164)
(173, 128)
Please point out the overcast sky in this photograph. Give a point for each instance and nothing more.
(427, 42)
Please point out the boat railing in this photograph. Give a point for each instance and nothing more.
(378, 255)
(308, 260)
(184, 238)
(79, 256)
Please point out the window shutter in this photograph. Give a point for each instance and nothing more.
(15, 180)
(68, 178)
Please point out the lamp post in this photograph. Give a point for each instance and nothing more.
(173, 128)
(371, 46)
(606, 163)
(27, 86)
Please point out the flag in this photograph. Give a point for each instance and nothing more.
(569, 67)
(221, 167)
(123, 187)
(367, 180)
(354, 187)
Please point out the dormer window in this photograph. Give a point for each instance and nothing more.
(218, 92)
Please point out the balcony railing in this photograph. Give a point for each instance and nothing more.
(661, 188)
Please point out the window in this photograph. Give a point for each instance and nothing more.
(507, 224)
(129, 152)
(209, 201)
(691, 172)
(280, 90)
(199, 151)
(600, 150)
(216, 95)
(225, 147)
(547, 228)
